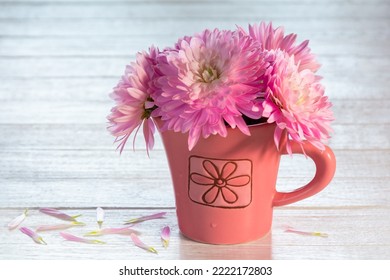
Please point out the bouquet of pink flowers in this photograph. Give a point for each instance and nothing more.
(221, 78)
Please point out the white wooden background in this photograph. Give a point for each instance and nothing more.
(59, 60)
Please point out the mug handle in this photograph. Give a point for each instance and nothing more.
(325, 162)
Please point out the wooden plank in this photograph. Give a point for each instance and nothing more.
(144, 192)
(80, 111)
(49, 125)
(366, 70)
(61, 136)
(131, 192)
(351, 236)
(126, 46)
(84, 178)
(66, 89)
(307, 28)
(92, 89)
(150, 2)
(95, 164)
(192, 10)
(122, 46)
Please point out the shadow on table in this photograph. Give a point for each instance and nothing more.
(256, 250)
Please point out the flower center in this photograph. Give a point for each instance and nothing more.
(220, 182)
(300, 100)
(208, 75)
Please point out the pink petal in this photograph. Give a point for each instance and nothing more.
(149, 104)
(312, 233)
(165, 236)
(228, 195)
(149, 129)
(211, 168)
(124, 230)
(211, 195)
(18, 220)
(201, 179)
(58, 214)
(238, 181)
(145, 218)
(288, 147)
(139, 243)
(37, 238)
(242, 126)
(132, 98)
(71, 237)
(277, 137)
(228, 169)
(135, 135)
(59, 226)
(193, 137)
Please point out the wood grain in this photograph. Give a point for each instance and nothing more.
(38, 136)
(59, 60)
(209, 10)
(97, 88)
(119, 46)
(64, 111)
(348, 239)
(108, 27)
(55, 67)
(102, 178)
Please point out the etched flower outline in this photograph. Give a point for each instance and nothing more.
(222, 182)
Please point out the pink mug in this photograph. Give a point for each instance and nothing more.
(225, 187)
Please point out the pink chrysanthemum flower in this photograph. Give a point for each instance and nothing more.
(274, 39)
(295, 101)
(134, 104)
(209, 80)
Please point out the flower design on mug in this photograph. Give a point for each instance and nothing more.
(220, 183)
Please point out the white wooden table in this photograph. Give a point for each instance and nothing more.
(59, 60)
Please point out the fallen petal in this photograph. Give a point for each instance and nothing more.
(59, 226)
(145, 218)
(58, 214)
(311, 233)
(124, 230)
(37, 238)
(99, 216)
(165, 236)
(18, 220)
(139, 243)
(71, 237)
